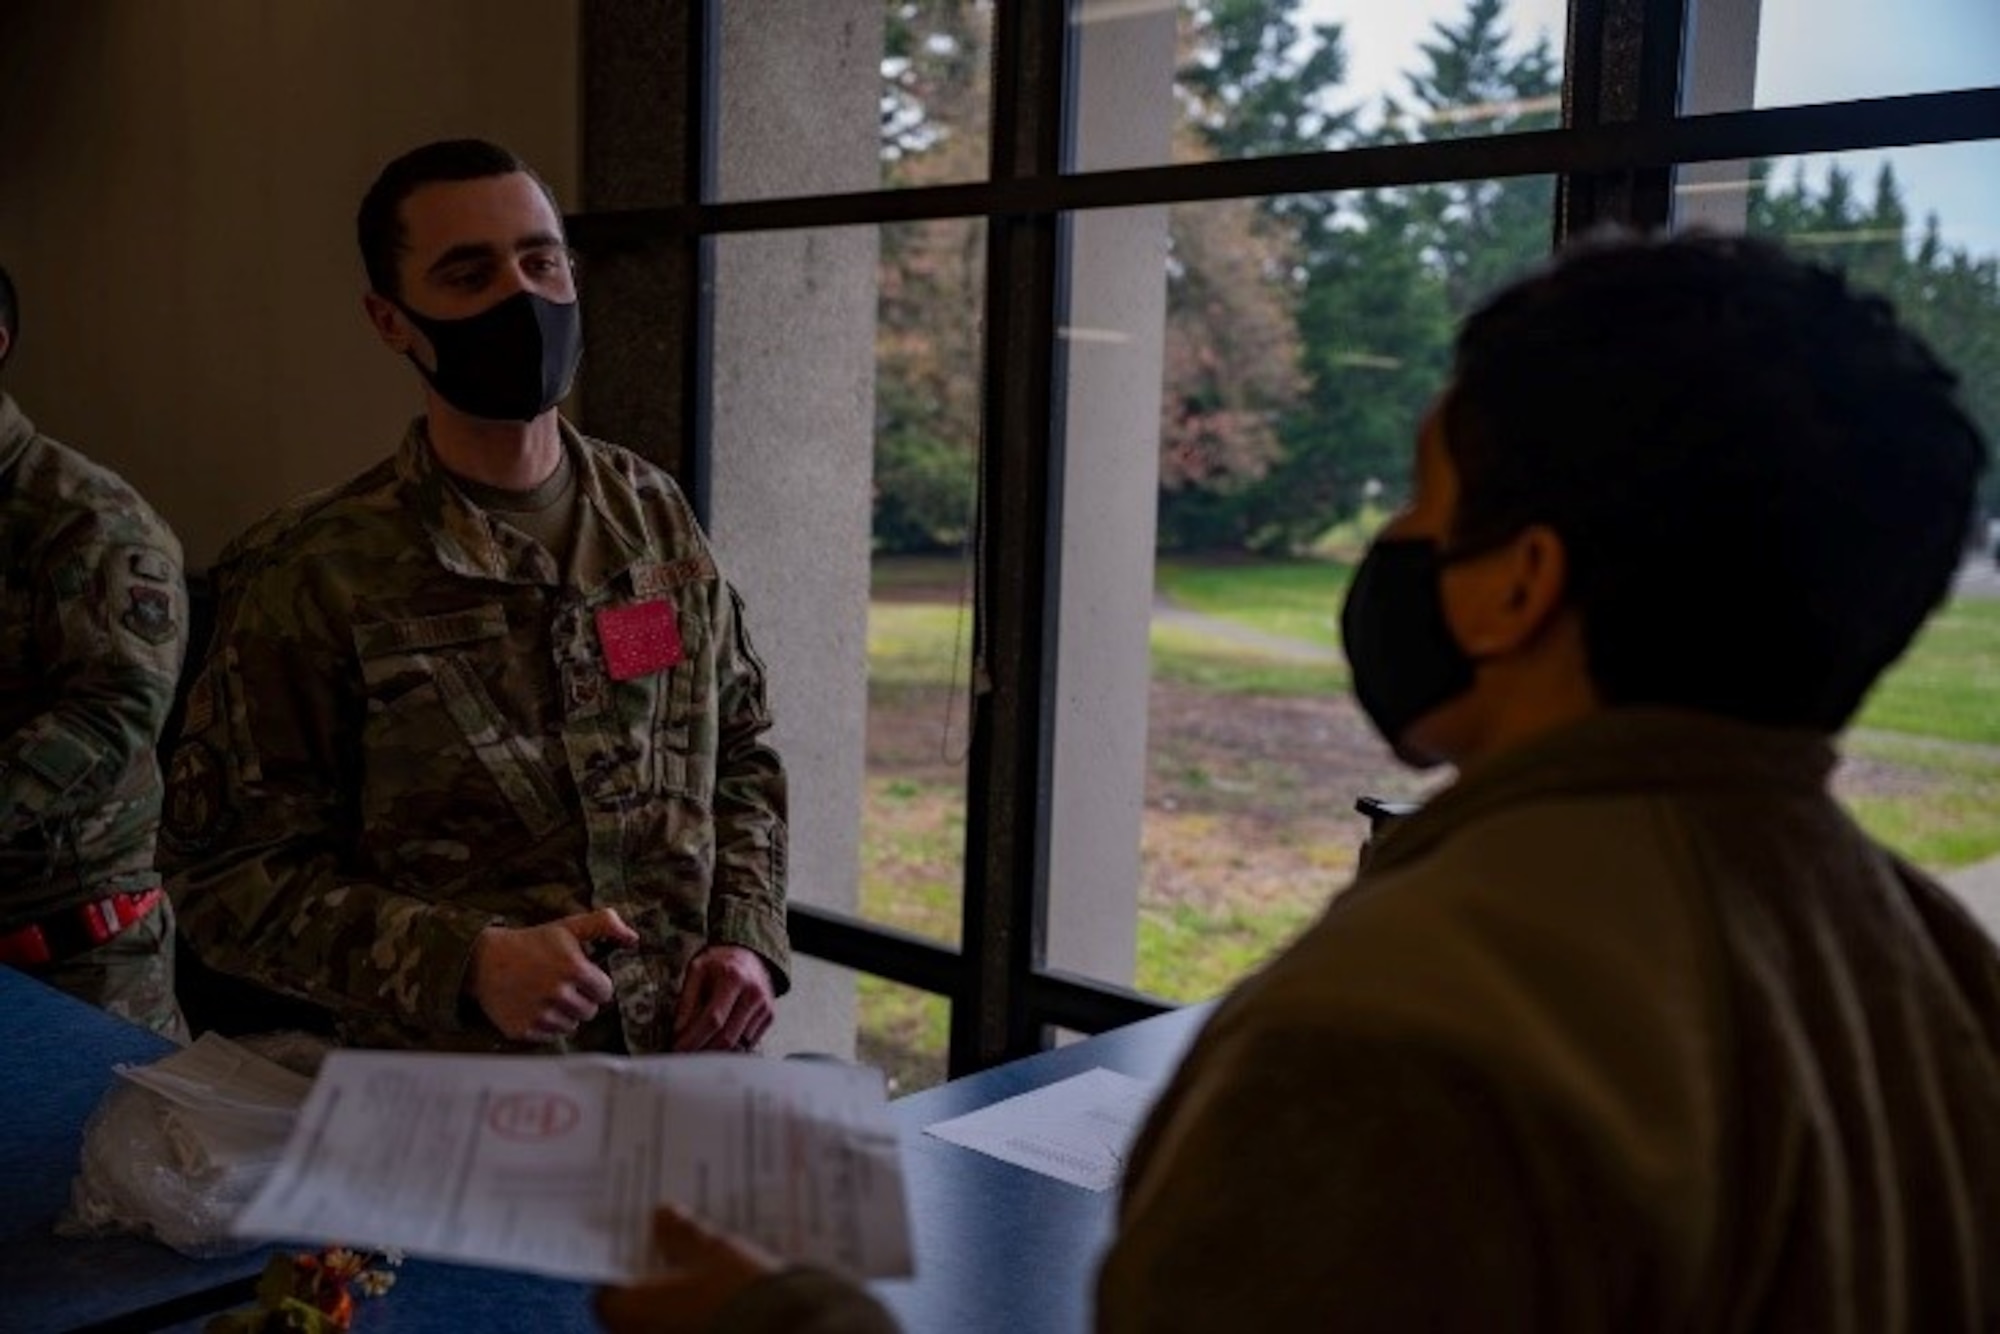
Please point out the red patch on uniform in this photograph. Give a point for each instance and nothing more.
(640, 639)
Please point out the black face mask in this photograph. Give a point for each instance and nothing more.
(511, 362)
(1400, 650)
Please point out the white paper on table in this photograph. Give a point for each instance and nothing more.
(1078, 1130)
(554, 1165)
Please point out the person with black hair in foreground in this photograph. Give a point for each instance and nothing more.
(1630, 1028)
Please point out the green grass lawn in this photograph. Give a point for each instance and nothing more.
(918, 643)
(1933, 725)
(1951, 819)
(1189, 657)
(1299, 599)
(1189, 955)
(1948, 684)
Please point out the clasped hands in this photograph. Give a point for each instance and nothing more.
(539, 984)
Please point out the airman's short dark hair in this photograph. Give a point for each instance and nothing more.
(378, 225)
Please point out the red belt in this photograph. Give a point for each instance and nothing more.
(74, 930)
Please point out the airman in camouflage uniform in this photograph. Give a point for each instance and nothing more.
(93, 623)
(428, 721)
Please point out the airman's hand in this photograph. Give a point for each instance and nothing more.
(726, 1001)
(536, 983)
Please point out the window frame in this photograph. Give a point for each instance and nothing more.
(1613, 157)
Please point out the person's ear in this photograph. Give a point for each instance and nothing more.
(1514, 592)
(390, 324)
(6, 344)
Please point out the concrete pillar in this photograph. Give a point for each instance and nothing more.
(1113, 336)
(793, 414)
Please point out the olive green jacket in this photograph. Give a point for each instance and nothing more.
(1632, 1029)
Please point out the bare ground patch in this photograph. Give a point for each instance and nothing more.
(1249, 810)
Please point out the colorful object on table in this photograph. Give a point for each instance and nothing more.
(304, 1293)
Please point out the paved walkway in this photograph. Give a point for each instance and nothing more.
(1979, 577)
(1236, 633)
(1978, 887)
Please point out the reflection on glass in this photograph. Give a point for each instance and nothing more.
(1922, 228)
(1291, 76)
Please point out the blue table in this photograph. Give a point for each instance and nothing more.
(998, 1248)
(56, 1054)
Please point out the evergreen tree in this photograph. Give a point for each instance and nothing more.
(1946, 294)
(1385, 276)
(1256, 83)
(1482, 233)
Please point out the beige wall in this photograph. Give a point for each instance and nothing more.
(178, 181)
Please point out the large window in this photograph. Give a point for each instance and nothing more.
(1056, 358)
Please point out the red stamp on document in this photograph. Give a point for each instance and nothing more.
(532, 1116)
(640, 639)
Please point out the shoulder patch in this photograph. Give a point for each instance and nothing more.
(149, 614)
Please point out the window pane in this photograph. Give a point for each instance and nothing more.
(1767, 53)
(905, 82)
(1239, 421)
(1200, 81)
(846, 429)
(1920, 226)
(901, 1031)
(920, 605)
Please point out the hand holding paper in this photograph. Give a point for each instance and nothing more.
(554, 1165)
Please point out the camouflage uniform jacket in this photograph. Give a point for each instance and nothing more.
(413, 725)
(93, 622)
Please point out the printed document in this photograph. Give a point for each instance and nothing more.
(1078, 1131)
(554, 1165)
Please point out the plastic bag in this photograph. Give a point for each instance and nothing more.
(177, 1157)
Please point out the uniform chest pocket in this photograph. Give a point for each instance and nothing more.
(436, 739)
